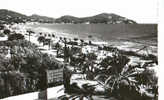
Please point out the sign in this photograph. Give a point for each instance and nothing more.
(54, 76)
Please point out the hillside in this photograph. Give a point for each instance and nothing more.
(43, 19)
(100, 18)
(7, 16)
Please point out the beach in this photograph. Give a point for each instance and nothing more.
(86, 50)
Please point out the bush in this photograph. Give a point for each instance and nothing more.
(21, 73)
(2, 27)
(41, 39)
(12, 37)
(2, 34)
(6, 31)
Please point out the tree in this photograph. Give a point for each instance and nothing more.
(60, 38)
(75, 39)
(6, 31)
(124, 81)
(40, 33)
(57, 46)
(90, 42)
(82, 42)
(2, 27)
(29, 32)
(41, 39)
(53, 35)
(89, 65)
(17, 36)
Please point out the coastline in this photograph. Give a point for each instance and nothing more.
(123, 44)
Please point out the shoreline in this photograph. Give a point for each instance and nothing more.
(123, 44)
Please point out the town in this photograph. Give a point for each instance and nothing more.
(35, 61)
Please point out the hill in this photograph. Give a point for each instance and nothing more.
(7, 16)
(42, 19)
(100, 18)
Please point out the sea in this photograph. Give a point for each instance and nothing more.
(143, 33)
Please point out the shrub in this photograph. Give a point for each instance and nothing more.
(17, 36)
(41, 39)
(6, 31)
(2, 34)
(2, 27)
(25, 63)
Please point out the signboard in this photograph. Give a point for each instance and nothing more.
(54, 76)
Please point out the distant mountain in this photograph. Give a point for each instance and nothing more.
(7, 16)
(68, 19)
(43, 19)
(100, 18)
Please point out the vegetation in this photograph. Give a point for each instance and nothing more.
(125, 82)
(2, 34)
(41, 39)
(2, 27)
(120, 79)
(21, 72)
(9, 17)
(42, 19)
(16, 36)
(6, 31)
(104, 18)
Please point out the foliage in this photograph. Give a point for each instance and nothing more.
(87, 91)
(91, 56)
(76, 39)
(21, 72)
(17, 36)
(124, 81)
(2, 34)
(41, 39)
(6, 31)
(2, 27)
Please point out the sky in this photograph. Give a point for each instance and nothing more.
(142, 11)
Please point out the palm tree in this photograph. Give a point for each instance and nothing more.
(75, 92)
(29, 33)
(49, 43)
(6, 31)
(2, 27)
(89, 65)
(49, 35)
(90, 37)
(76, 39)
(123, 80)
(60, 38)
(45, 35)
(41, 39)
(66, 50)
(57, 46)
(40, 33)
(53, 35)
(82, 42)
